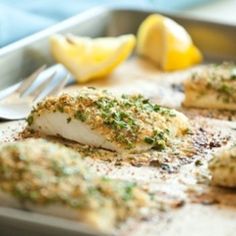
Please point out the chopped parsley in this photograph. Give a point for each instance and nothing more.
(62, 178)
(80, 116)
(220, 79)
(30, 120)
(233, 74)
(158, 140)
(125, 120)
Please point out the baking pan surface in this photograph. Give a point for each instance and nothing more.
(190, 211)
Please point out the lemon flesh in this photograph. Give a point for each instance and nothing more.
(88, 58)
(166, 43)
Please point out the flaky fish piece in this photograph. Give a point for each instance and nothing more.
(223, 167)
(50, 178)
(97, 118)
(214, 87)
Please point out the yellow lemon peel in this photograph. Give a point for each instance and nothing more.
(166, 43)
(88, 58)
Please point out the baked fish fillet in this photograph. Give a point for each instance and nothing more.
(212, 87)
(97, 118)
(49, 178)
(223, 167)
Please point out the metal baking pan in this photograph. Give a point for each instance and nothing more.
(15, 222)
(215, 40)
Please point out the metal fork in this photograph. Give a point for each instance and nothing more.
(18, 104)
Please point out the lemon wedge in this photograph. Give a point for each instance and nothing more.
(166, 43)
(88, 58)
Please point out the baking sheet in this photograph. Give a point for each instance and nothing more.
(178, 190)
(215, 40)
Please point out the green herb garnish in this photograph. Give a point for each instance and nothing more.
(158, 140)
(30, 120)
(80, 116)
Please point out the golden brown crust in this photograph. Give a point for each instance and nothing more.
(212, 87)
(54, 175)
(223, 167)
(126, 121)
